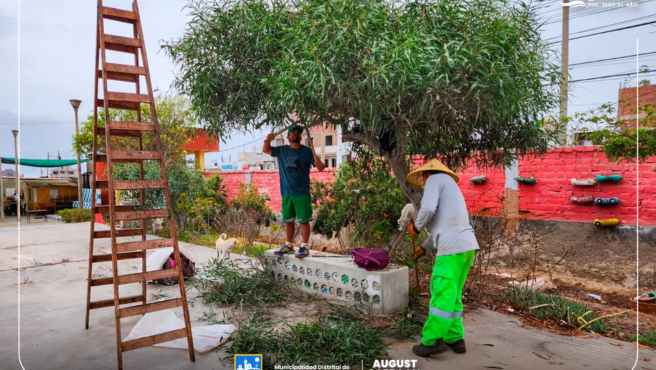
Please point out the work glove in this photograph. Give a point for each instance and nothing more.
(412, 230)
(419, 252)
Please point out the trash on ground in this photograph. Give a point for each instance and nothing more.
(595, 296)
(510, 310)
(206, 338)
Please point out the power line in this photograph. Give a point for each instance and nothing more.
(608, 25)
(609, 59)
(585, 14)
(607, 31)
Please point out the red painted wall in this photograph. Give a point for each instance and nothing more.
(548, 199)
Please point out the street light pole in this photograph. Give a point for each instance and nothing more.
(18, 207)
(76, 104)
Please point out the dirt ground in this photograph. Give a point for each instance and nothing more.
(485, 295)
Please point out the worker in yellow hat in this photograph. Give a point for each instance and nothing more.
(444, 215)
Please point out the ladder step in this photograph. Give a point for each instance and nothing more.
(152, 340)
(150, 307)
(138, 215)
(102, 281)
(100, 131)
(124, 232)
(119, 105)
(119, 15)
(148, 276)
(139, 155)
(105, 209)
(144, 244)
(123, 125)
(120, 40)
(139, 184)
(110, 302)
(119, 256)
(116, 76)
(125, 68)
(127, 97)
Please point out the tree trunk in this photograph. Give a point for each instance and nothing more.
(397, 161)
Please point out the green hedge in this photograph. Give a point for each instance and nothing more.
(75, 215)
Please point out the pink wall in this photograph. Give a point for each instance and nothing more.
(548, 199)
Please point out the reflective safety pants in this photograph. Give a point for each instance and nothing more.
(445, 308)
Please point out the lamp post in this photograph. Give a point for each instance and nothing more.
(76, 104)
(18, 207)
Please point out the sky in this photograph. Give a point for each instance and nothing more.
(57, 59)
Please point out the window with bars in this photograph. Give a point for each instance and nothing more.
(329, 140)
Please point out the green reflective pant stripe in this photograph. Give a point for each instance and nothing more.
(445, 307)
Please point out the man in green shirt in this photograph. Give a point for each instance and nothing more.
(294, 163)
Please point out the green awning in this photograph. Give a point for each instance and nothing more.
(43, 162)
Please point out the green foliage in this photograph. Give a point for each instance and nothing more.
(330, 340)
(226, 283)
(218, 190)
(621, 140)
(560, 309)
(249, 200)
(648, 339)
(75, 215)
(451, 78)
(371, 206)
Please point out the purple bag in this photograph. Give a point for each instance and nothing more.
(370, 259)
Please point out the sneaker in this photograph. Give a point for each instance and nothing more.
(284, 250)
(458, 346)
(302, 252)
(425, 351)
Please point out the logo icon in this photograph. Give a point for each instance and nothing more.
(573, 4)
(248, 362)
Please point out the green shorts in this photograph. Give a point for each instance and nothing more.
(298, 207)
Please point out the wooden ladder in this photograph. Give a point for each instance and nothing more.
(136, 249)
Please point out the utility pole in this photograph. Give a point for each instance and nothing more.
(76, 104)
(564, 66)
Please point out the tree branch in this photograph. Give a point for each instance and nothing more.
(361, 138)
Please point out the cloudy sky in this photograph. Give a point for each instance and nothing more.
(57, 41)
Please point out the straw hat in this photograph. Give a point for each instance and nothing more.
(417, 176)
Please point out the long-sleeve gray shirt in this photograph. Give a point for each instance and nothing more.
(444, 214)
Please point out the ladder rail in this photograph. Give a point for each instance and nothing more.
(110, 179)
(167, 192)
(93, 180)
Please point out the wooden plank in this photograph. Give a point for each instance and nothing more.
(123, 125)
(127, 97)
(119, 256)
(110, 302)
(102, 184)
(148, 276)
(105, 209)
(137, 215)
(124, 232)
(102, 281)
(135, 155)
(120, 40)
(149, 341)
(150, 307)
(119, 15)
(101, 158)
(144, 244)
(139, 184)
(125, 77)
(125, 68)
(131, 133)
(122, 48)
(119, 105)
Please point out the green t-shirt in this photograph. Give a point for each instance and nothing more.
(294, 166)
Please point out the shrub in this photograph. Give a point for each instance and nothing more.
(75, 215)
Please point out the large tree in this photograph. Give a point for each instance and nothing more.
(451, 78)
